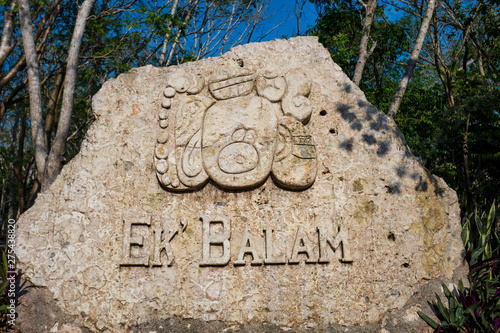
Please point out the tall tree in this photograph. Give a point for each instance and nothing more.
(417, 47)
(49, 162)
(364, 54)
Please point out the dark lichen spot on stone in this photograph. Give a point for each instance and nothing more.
(389, 189)
(332, 131)
(406, 265)
(322, 113)
(365, 211)
(395, 292)
(391, 236)
(128, 165)
(357, 185)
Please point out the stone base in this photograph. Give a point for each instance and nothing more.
(38, 312)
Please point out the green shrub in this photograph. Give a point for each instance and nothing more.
(477, 308)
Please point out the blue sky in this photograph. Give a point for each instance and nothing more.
(283, 11)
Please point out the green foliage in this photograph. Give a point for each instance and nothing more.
(441, 136)
(4, 269)
(338, 29)
(3, 287)
(479, 236)
(476, 308)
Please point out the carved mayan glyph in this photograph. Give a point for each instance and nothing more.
(235, 129)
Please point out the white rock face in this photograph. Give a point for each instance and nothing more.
(256, 187)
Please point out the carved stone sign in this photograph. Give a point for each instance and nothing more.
(256, 191)
(238, 131)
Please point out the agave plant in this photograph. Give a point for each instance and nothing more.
(477, 308)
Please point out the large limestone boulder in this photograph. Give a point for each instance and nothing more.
(255, 191)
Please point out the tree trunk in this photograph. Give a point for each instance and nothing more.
(480, 64)
(49, 164)
(299, 8)
(363, 52)
(52, 103)
(468, 191)
(398, 96)
(8, 27)
(178, 34)
(56, 156)
(18, 166)
(34, 87)
(167, 36)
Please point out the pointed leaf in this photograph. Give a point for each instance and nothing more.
(428, 320)
(446, 291)
(442, 309)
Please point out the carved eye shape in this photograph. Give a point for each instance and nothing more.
(238, 135)
(299, 100)
(238, 157)
(182, 84)
(251, 136)
(198, 84)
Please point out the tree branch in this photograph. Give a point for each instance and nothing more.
(398, 96)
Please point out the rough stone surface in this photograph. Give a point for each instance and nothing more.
(257, 191)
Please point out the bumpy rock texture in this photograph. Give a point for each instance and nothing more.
(254, 191)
